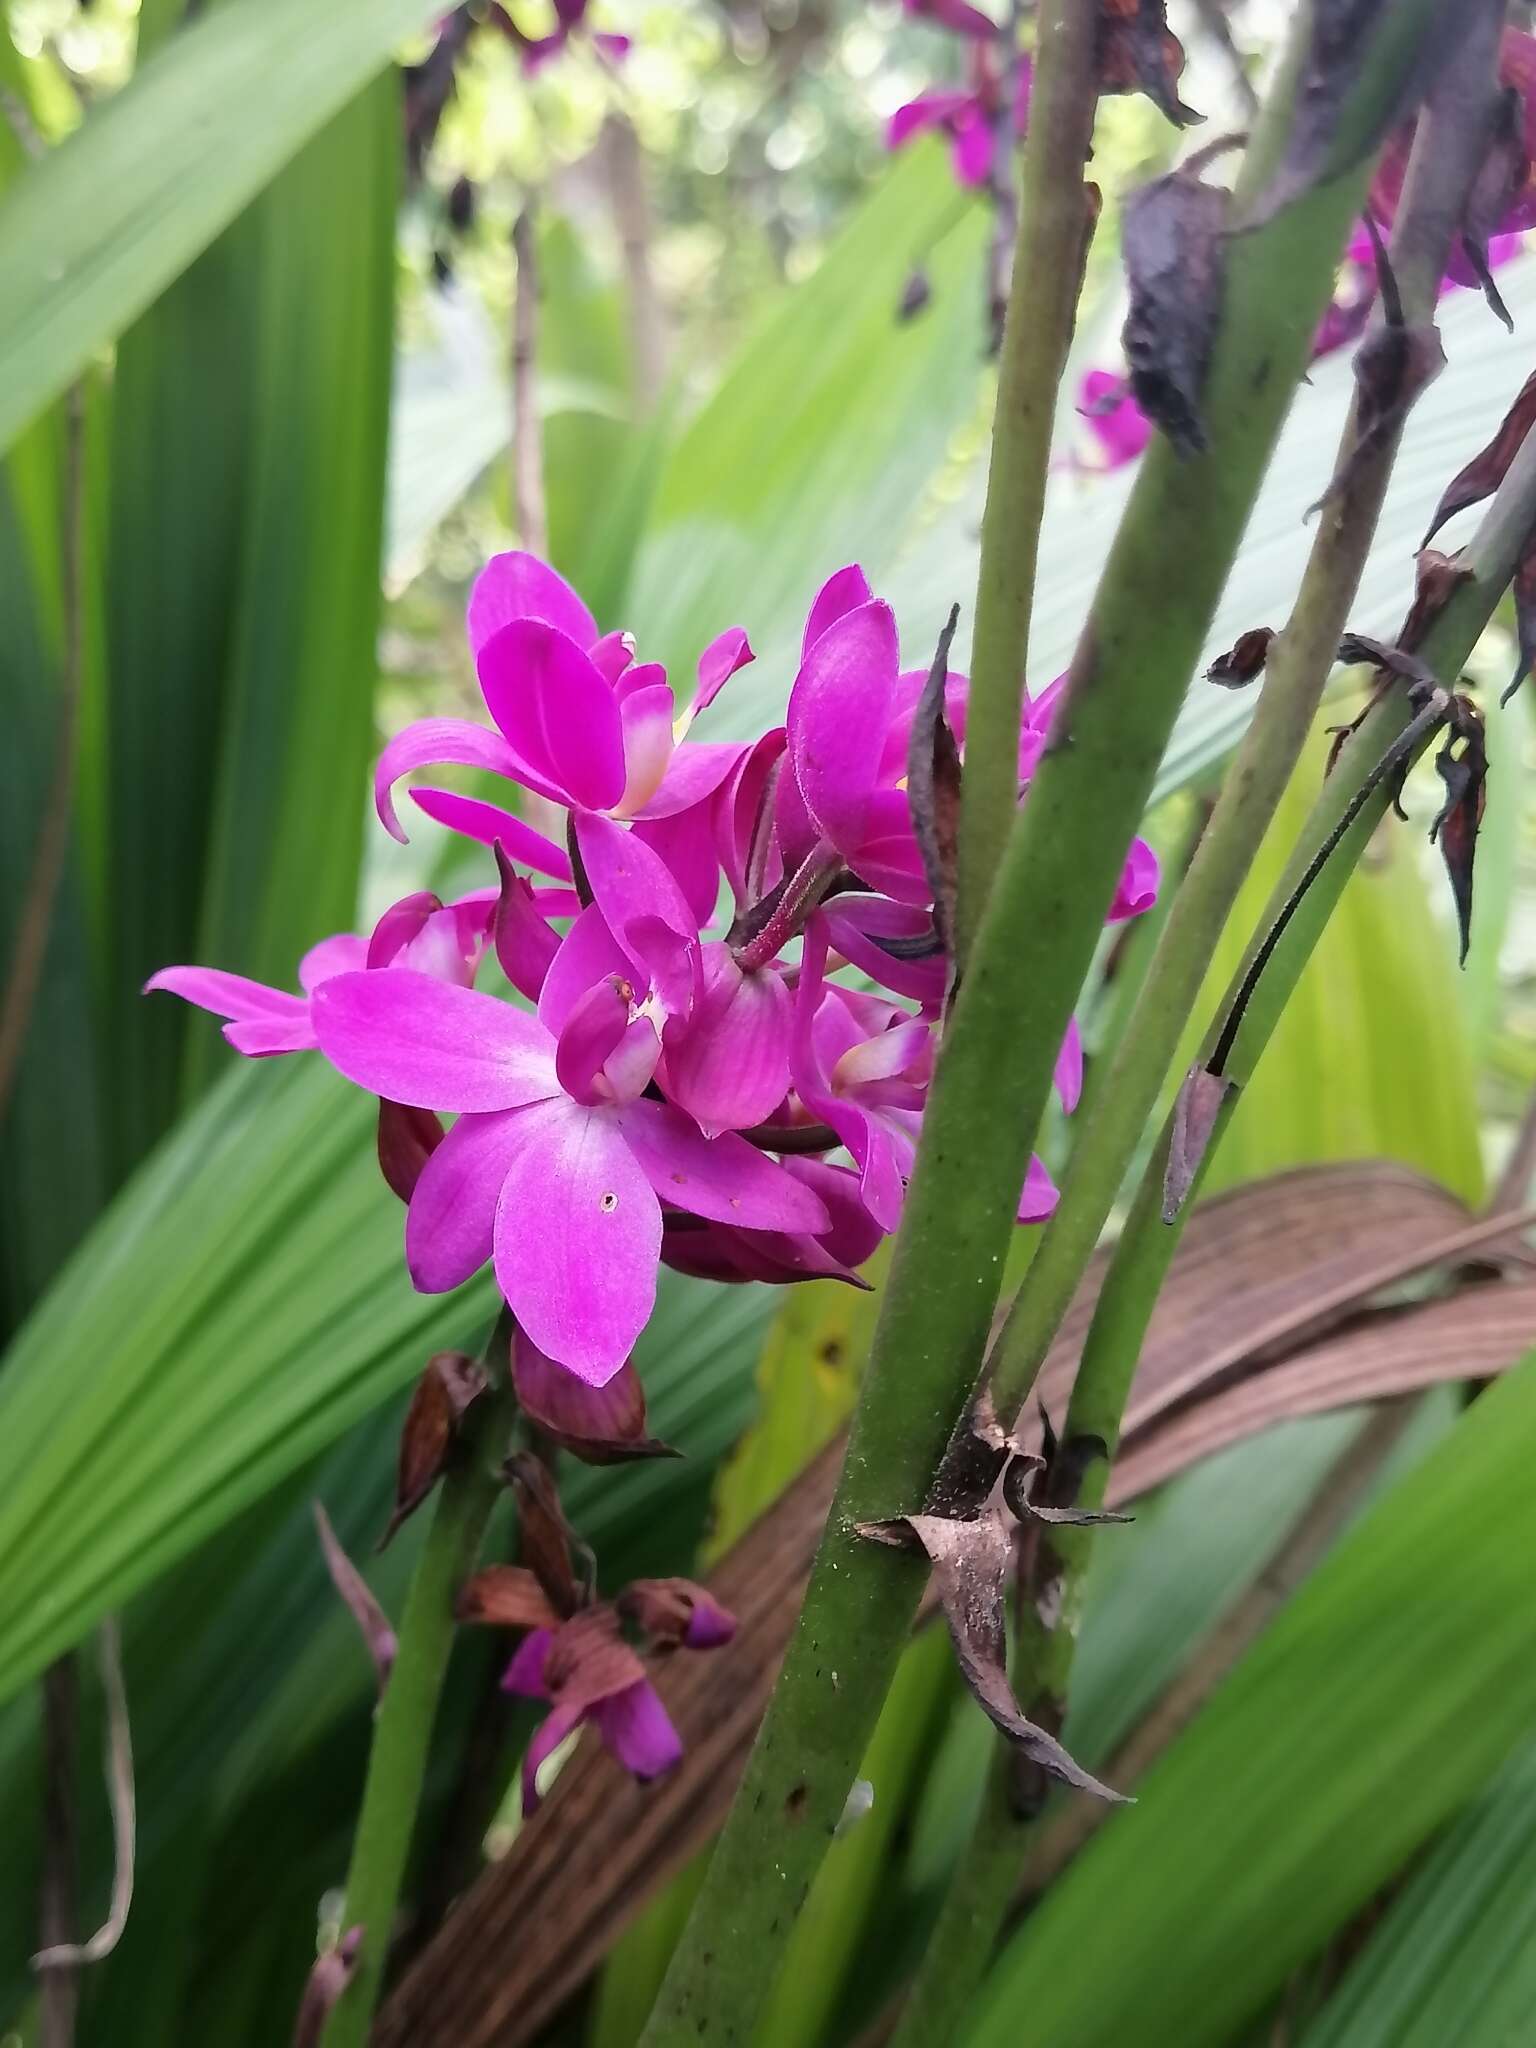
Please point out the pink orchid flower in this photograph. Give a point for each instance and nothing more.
(576, 719)
(446, 940)
(558, 1165)
(967, 116)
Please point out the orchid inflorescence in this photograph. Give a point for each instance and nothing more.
(678, 1083)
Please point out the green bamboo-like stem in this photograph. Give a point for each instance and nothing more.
(402, 1731)
(1056, 222)
(1445, 160)
(1147, 1244)
(1042, 918)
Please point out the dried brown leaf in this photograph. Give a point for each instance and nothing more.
(972, 1562)
(1500, 179)
(1525, 616)
(545, 1541)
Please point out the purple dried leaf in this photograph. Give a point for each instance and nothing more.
(1463, 766)
(407, 1139)
(358, 1597)
(1244, 660)
(1199, 1104)
(933, 786)
(1486, 471)
(1174, 260)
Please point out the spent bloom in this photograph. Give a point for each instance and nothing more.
(693, 1024)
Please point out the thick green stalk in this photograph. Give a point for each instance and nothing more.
(1056, 222)
(1446, 158)
(402, 1731)
(1042, 918)
(1147, 1244)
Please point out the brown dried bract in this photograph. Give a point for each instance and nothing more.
(933, 787)
(1244, 660)
(1489, 467)
(1463, 766)
(1138, 52)
(1436, 577)
(1200, 1101)
(1321, 144)
(1174, 263)
(444, 1395)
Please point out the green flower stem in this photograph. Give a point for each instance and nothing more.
(1057, 221)
(1445, 161)
(402, 1732)
(1042, 919)
(972, 1913)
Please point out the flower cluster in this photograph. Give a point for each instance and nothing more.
(733, 1091)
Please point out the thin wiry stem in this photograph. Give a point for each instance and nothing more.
(120, 1794)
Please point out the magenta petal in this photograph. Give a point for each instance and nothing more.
(710, 1625)
(728, 1065)
(525, 1674)
(491, 825)
(854, 1234)
(612, 655)
(526, 946)
(645, 909)
(260, 1037)
(450, 1225)
(972, 150)
(429, 742)
(431, 1044)
(399, 925)
(646, 717)
(855, 923)
(1137, 889)
(885, 853)
(556, 1726)
(685, 844)
(520, 586)
(743, 809)
(346, 953)
(843, 590)
(590, 1033)
(723, 1178)
(558, 714)
(726, 653)
(229, 995)
(1069, 1068)
(627, 1071)
(695, 771)
(839, 709)
(635, 1726)
(588, 952)
(578, 1238)
(1039, 1198)
(881, 1058)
